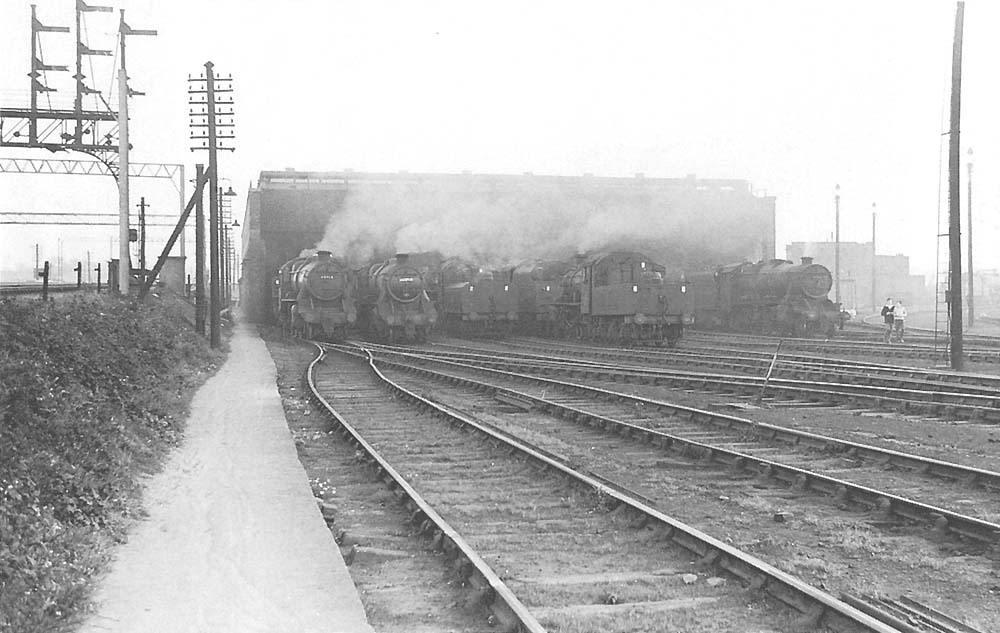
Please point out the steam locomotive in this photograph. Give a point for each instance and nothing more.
(622, 297)
(393, 304)
(477, 301)
(771, 297)
(315, 295)
(539, 286)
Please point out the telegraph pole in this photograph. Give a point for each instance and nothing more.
(142, 238)
(874, 276)
(836, 246)
(954, 206)
(199, 258)
(212, 119)
(972, 288)
(222, 245)
(124, 262)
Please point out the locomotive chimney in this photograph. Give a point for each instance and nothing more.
(806, 261)
(402, 258)
(324, 254)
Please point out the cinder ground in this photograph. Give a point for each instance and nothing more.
(233, 540)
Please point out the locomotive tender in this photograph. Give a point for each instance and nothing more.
(772, 297)
(315, 295)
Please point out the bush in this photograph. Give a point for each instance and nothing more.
(94, 392)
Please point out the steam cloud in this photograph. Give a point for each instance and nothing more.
(504, 227)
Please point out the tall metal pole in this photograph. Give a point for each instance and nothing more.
(33, 122)
(227, 267)
(124, 264)
(836, 245)
(182, 205)
(968, 230)
(199, 257)
(213, 210)
(78, 102)
(874, 290)
(142, 238)
(954, 206)
(222, 247)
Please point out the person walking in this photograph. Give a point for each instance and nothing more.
(887, 316)
(899, 320)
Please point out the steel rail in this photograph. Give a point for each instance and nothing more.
(967, 474)
(986, 354)
(36, 289)
(982, 406)
(818, 607)
(871, 376)
(941, 520)
(794, 365)
(503, 603)
(765, 354)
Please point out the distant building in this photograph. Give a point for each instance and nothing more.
(891, 274)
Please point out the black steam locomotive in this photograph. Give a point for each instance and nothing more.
(393, 304)
(315, 295)
(772, 297)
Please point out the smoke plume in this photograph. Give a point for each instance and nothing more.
(499, 227)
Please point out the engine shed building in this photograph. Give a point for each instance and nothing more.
(719, 221)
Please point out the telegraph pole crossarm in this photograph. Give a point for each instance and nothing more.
(213, 115)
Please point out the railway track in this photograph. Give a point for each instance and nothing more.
(868, 347)
(872, 329)
(953, 400)
(11, 290)
(810, 461)
(797, 366)
(502, 510)
(630, 457)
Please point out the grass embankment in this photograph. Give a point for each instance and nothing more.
(93, 393)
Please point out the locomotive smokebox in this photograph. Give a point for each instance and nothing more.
(806, 261)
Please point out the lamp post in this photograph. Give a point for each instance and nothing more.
(874, 290)
(236, 260)
(223, 240)
(836, 245)
(972, 303)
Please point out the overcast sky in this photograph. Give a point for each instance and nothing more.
(794, 97)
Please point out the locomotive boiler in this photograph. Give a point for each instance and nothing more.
(623, 297)
(393, 304)
(476, 300)
(315, 297)
(772, 297)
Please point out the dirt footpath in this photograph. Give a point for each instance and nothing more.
(233, 540)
